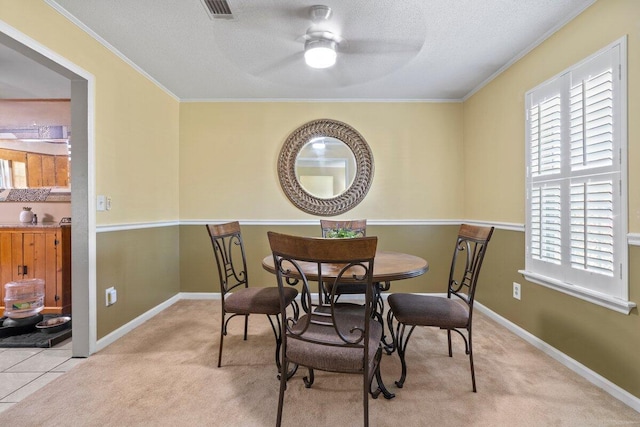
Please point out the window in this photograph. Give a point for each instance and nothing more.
(576, 181)
(19, 174)
(5, 174)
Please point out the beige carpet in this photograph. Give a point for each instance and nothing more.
(164, 374)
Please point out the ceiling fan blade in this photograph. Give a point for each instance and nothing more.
(279, 65)
(381, 46)
(342, 76)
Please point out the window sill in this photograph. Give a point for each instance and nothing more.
(616, 304)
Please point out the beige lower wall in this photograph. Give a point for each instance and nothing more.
(198, 271)
(143, 265)
(603, 340)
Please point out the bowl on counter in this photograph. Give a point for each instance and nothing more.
(54, 324)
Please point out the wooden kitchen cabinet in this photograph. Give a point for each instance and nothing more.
(42, 252)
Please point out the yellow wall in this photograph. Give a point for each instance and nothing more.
(136, 150)
(229, 152)
(494, 126)
(494, 130)
(136, 122)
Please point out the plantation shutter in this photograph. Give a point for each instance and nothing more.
(592, 151)
(545, 151)
(576, 226)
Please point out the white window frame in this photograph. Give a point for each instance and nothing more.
(553, 269)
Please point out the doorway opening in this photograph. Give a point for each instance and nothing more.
(83, 235)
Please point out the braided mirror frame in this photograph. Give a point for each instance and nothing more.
(342, 202)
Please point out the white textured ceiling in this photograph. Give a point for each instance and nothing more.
(24, 78)
(395, 49)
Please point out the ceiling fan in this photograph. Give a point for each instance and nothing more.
(320, 45)
(332, 51)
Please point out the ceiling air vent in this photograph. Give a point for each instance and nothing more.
(218, 9)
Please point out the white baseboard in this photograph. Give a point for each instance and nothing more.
(591, 376)
(199, 295)
(128, 327)
(577, 367)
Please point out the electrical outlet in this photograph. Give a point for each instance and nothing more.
(111, 296)
(516, 290)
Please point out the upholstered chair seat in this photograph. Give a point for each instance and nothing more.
(336, 357)
(238, 299)
(429, 310)
(453, 312)
(258, 300)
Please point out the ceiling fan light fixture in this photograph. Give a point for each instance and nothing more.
(320, 53)
(319, 13)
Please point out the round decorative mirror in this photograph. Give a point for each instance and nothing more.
(325, 167)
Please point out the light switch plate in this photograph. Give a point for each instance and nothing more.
(111, 296)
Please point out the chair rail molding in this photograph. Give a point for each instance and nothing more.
(404, 222)
(633, 239)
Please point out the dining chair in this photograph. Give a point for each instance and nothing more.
(328, 339)
(343, 228)
(349, 229)
(238, 299)
(337, 229)
(453, 313)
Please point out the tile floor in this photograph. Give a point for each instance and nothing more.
(25, 370)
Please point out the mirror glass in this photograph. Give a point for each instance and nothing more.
(325, 167)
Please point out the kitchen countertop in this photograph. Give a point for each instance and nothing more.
(29, 225)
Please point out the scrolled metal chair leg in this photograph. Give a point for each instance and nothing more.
(382, 388)
(376, 374)
(277, 330)
(283, 387)
(401, 346)
(291, 372)
(473, 373)
(246, 326)
(365, 400)
(378, 314)
(222, 334)
(375, 393)
(296, 309)
(468, 350)
(308, 380)
(391, 347)
(223, 331)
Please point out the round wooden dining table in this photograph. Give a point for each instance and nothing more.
(387, 267)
